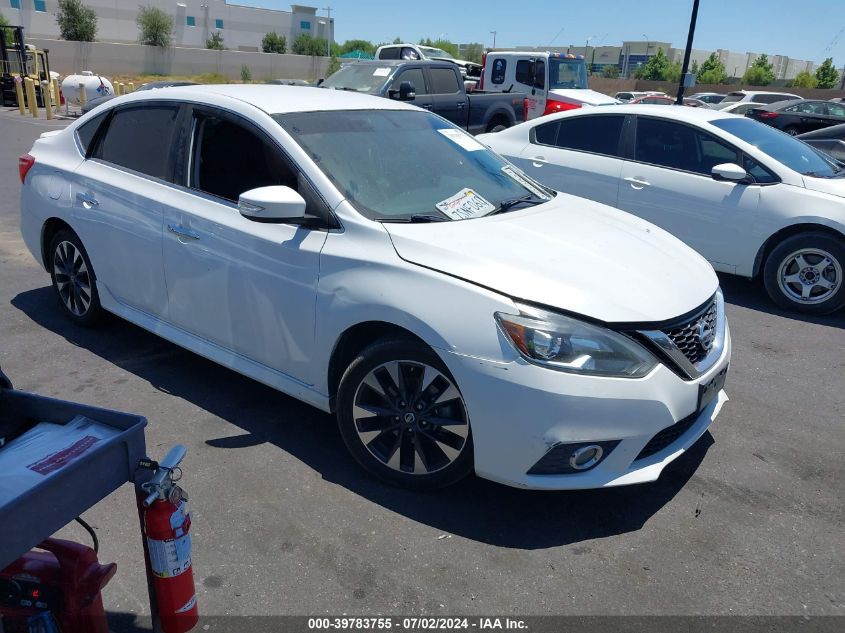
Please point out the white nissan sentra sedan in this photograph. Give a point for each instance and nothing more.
(369, 258)
(751, 199)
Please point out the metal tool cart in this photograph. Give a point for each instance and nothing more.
(39, 497)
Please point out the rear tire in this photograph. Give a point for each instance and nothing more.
(73, 278)
(497, 125)
(403, 418)
(805, 273)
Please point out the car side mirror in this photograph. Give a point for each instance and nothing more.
(407, 91)
(272, 204)
(730, 172)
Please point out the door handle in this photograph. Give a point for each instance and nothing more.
(461, 105)
(427, 106)
(88, 200)
(637, 183)
(538, 161)
(182, 232)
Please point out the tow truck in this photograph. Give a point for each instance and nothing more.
(554, 81)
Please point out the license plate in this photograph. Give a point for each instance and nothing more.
(709, 390)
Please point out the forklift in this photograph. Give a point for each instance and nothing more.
(18, 59)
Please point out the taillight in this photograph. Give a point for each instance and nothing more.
(25, 163)
(553, 106)
(526, 104)
(767, 115)
(483, 68)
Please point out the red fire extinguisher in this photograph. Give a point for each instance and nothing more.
(167, 525)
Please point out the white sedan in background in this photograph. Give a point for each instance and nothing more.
(752, 200)
(375, 261)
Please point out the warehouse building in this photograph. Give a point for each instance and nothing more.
(241, 27)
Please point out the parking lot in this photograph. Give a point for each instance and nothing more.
(750, 521)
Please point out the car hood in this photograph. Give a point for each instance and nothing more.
(833, 186)
(576, 95)
(571, 254)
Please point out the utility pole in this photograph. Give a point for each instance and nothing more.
(328, 11)
(687, 53)
(493, 33)
(842, 85)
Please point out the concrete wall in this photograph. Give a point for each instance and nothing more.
(133, 59)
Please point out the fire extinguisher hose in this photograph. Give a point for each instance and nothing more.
(90, 531)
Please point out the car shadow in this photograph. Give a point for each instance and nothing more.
(474, 508)
(751, 294)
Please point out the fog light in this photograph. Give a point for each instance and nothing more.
(563, 459)
(586, 457)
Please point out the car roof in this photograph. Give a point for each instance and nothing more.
(779, 105)
(759, 92)
(440, 62)
(273, 99)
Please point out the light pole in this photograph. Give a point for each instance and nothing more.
(493, 33)
(328, 11)
(586, 46)
(647, 45)
(687, 52)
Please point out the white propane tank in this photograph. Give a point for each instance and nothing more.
(95, 86)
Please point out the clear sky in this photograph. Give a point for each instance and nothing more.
(810, 29)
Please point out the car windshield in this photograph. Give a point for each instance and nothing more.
(359, 78)
(788, 151)
(402, 165)
(429, 51)
(567, 73)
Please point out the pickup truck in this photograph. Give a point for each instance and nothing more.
(435, 86)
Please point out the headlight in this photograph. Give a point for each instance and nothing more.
(561, 342)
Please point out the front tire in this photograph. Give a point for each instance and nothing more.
(403, 418)
(805, 273)
(73, 279)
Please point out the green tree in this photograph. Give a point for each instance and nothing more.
(760, 73)
(215, 42)
(673, 73)
(473, 52)
(334, 66)
(826, 74)
(611, 71)
(655, 69)
(8, 32)
(712, 71)
(694, 67)
(246, 74)
(357, 45)
(77, 23)
(397, 40)
(274, 43)
(445, 45)
(156, 27)
(302, 44)
(805, 79)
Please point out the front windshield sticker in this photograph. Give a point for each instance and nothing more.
(381, 72)
(461, 138)
(526, 182)
(464, 205)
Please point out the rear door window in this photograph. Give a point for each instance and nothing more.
(444, 81)
(546, 134)
(523, 72)
(139, 138)
(835, 109)
(409, 53)
(597, 134)
(389, 53)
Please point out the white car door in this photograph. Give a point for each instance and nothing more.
(669, 183)
(578, 155)
(116, 210)
(246, 286)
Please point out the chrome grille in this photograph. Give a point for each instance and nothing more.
(687, 337)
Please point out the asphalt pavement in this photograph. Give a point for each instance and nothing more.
(750, 521)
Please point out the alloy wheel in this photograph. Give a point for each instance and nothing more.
(809, 276)
(410, 417)
(73, 280)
